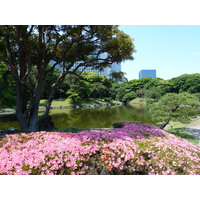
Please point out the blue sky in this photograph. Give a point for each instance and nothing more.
(170, 49)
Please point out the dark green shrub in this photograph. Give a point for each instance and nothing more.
(117, 125)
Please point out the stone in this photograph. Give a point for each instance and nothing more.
(11, 130)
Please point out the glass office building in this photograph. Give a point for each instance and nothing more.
(115, 67)
(147, 73)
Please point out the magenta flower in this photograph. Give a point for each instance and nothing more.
(136, 148)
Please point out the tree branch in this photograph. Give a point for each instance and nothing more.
(52, 68)
(79, 76)
(53, 88)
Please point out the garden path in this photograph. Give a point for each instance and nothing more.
(193, 129)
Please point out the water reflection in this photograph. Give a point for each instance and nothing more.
(102, 117)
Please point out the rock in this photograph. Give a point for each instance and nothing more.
(160, 124)
(11, 130)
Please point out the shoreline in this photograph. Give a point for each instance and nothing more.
(96, 105)
(12, 111)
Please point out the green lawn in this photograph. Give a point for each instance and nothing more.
(176, 125)
(85, 101)
(141, 100)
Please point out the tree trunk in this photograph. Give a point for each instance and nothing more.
(46, 123)
(22, 122)
(20, 107)
(27, 116)
(162, 125)
(34, 123)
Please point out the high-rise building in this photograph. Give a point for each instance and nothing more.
(115, 67)
(147, 73)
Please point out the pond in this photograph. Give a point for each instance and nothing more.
(102, 117)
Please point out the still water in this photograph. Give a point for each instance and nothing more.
(102, 117)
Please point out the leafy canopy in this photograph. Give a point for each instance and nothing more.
(27, 51)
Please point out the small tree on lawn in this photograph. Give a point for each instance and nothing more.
(128, 97)
(174, 107)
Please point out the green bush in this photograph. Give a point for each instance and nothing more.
(117, 125)
(74, 97)
(108, 99)
(128, 97)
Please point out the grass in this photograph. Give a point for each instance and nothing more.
(66, 102)
(176, 125)
(141, 100)
(178, 129)
(181, 132)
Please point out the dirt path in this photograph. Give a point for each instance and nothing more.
(193, 129)
(195, 124)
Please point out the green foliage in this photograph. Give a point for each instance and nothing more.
(142, 101)
(186, 83)
(163, 85)
(92, 77)
(50, 80)
(108, 99)
(98, 90)
(153, 93)
(26, 167)
(149, 88)
(136, 86)
(8, 98)
(140, 93)
(128, 97)
(175, 107)
(81, 87)
(28, 49)
(197, 95)
(113, 90)
(118, 76)
(91, 85)
(8, 95)
(73, 96)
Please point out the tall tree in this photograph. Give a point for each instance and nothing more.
(28, 49)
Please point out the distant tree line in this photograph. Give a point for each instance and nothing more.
(92, 85)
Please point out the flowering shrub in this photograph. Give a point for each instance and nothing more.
(136, 148)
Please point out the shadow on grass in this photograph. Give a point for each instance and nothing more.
(187, 134)
(194, 132)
